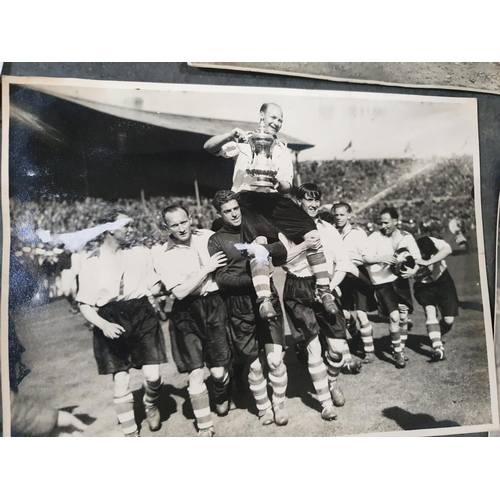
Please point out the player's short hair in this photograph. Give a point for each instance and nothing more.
(391, 211)
(427, 247)
(308, 189)
(327, 217)
(222, 197)
(172, 208)
(341, 204)
(266, 105)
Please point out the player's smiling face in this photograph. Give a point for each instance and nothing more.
(387, 224)
(342, 216)
(179, 225)
(231, 214)
(310, 205)
(273, 118)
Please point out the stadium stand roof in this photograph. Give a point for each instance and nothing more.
(113, 148)
(133, 108)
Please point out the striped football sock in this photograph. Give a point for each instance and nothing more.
(279, 382)
(317, 260)
(152, 392)
(367, 337)
(396, 341)
(346, 353)
(124, 407)
(258, 387)
(221, 389)
(319, 378)
(201, 408)
(260, 278)
(434, 334)
(334, 362)
(403, 331)
(445, 327)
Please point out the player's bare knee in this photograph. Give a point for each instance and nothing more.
(218, 373)
(151, 372)
(449, 320)
(274, 360)
(394, 317)
(121, 382)
(279, 369)
(196, 381)
(255, 369)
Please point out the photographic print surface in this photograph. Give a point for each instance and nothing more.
(79, 149)
(471, 76)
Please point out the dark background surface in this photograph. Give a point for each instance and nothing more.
(488, 113)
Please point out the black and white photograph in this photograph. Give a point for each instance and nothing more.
(215, 261)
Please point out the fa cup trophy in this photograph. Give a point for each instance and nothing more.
(262, 169)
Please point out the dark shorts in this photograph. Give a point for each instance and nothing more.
(248, 332)
(141, 344)
(358, 293)
(306, 316)
(265, 213)
(390, 295)
(440, 293)
(199, 332)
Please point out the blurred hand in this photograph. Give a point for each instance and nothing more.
(409, 272)
(238, 135)
(217, 260)
(387, 259)
(422, 262)
(112, 330)
(312, 241)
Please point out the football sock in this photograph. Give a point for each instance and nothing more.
(346, 353)
(396, 341)
(403, 331)
(258, 387)
(124, 407)
(367, 337)
(260, 278)
(334, 362)
(201, 408)
(279, 381)
(319, 378)
(221, 389)
(445, 327)
(434, 334)
(152, 392)
(317, 260)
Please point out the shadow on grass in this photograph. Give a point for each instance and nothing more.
(473, 306)
(84, 417)
(299, 380)
(416, 343)
(413, 421)
(166, 403)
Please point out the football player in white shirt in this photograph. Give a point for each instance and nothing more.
(392, 291)
(434, 289)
